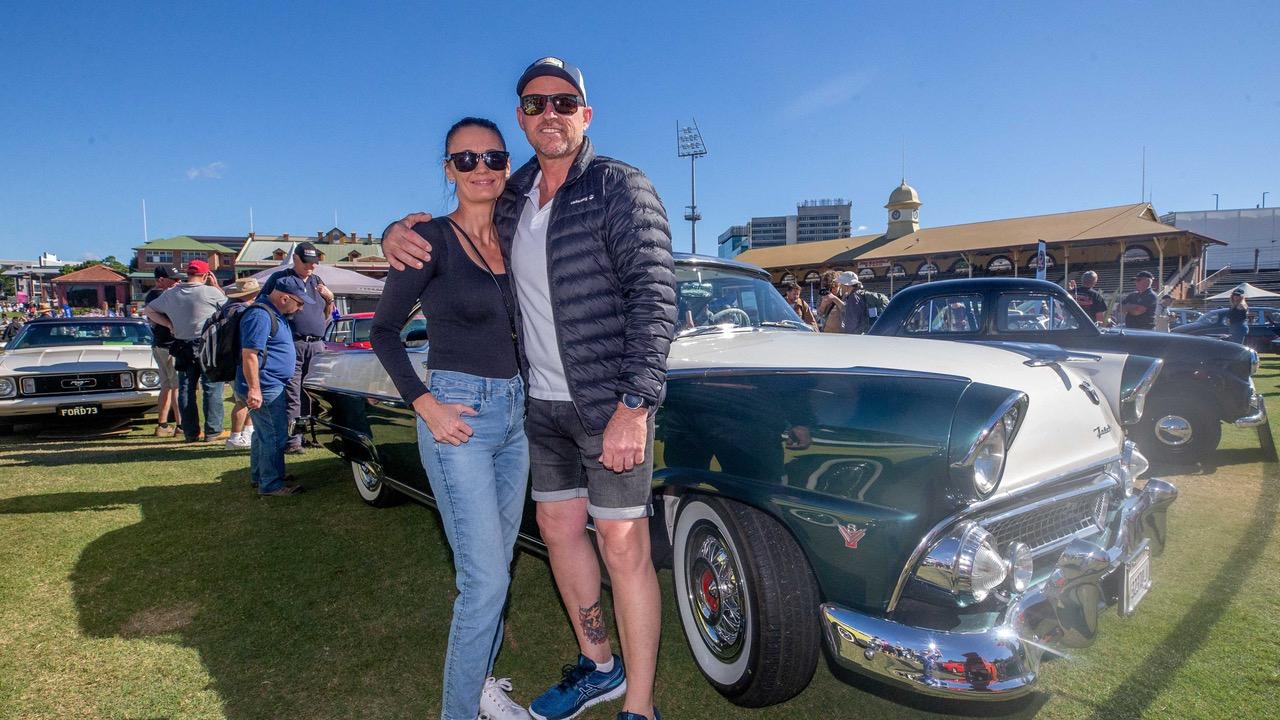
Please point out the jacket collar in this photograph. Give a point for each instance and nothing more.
(522, 181)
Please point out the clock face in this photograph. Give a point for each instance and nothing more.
(915, 214)
(896, 215)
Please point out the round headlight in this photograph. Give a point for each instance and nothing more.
(149, 378)
(989, 460)
(7, 387)
(1021, 566)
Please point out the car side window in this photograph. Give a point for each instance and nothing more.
(1034, 312)
(946, 314)
(341, 332)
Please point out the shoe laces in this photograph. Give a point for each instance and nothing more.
(571, 674)
(497, 689)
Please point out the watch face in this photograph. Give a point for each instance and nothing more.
(896, 214)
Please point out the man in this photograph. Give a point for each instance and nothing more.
(166, 277)
(1139, 307)
(307, 327)
(1094, 305)
(238, 294)
(792, 292)
(596, 286)
(831, 306)
(861, 308)
(267, 361)
(183, 309)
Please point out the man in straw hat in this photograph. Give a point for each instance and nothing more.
(240, 294)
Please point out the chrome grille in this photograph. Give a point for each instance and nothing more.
(78, 384)
(1042, 526)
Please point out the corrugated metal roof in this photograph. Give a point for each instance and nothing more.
(183, 242)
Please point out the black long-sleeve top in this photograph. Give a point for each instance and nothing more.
(466, 318)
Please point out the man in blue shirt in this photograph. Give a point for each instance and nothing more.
(267, 361)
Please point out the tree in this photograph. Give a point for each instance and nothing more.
(110, 261)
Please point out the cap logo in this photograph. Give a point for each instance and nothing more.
(551, 61)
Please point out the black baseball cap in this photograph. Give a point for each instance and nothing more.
(1145, 274)
(553, 67)
(164, 271)
(307, 252)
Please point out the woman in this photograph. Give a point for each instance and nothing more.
(471, 409)
(831, 306)
(1237, 316)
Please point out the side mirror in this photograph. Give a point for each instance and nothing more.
(415, 338)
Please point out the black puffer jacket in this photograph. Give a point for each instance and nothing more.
(612, 280)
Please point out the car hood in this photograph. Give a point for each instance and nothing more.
(80, 359)
(1175, 345)
(1066, 429)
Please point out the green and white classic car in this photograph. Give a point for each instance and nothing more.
(935, 515)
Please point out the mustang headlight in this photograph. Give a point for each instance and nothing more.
(149, 378)
(986, 455)
(967, 564)
(7, 388)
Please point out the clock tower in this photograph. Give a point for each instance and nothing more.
(904, 211)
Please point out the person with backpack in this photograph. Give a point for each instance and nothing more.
(861, 306)
(183, 310)
(267, 361)
(238, 295)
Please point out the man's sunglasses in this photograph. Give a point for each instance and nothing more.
(466, 160)
(563, 104)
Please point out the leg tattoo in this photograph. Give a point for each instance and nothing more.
(592, 621)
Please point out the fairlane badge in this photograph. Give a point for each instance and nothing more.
(851, 535)
(1102, 430)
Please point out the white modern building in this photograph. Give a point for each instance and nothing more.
(814, 220)
(1252, 236)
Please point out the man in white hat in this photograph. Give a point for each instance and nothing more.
(861, 308)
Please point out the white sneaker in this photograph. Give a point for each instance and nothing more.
(239, 440)
(496, 705)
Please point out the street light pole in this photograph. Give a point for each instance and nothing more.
(1264, 198)
(1215, 200)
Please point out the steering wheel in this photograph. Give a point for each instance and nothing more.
(731, 314)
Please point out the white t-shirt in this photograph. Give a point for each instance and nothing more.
(529, 269)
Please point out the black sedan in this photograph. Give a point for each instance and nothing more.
(1263, 327)
(1204, 383)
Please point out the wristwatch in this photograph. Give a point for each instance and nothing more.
(633, 402)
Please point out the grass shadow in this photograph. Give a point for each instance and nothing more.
(1145, 682)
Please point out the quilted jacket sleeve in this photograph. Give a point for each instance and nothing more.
(640, 249)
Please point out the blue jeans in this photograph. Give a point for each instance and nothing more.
(270, 433)
(479, 488)
(190, 412)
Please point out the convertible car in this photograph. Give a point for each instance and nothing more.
(934, 515)
(1204, 383)
(77, 370)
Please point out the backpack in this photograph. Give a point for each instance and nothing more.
(219, 342)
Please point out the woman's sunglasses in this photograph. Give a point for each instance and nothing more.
(563, 104)
(466, 160)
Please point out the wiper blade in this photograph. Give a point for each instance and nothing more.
(785, 323)
(705, 329)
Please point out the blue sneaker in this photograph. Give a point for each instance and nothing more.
(632, 716)
(580, 687)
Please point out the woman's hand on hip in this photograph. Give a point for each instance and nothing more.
(444, 421)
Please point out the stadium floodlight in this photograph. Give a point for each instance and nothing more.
(689, 144)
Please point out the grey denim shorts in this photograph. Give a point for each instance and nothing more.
(565, 463)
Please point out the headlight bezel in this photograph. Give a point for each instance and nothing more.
(149, 379)
(12, 390)
(992, 443)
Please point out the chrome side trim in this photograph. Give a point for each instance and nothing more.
(935, 534)
(685, 373)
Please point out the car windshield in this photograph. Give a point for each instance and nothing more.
(708, 297)
(88, 332)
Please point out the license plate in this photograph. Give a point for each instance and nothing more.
(1137, 579)
(79, 411)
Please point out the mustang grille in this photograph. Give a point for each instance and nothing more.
(1040, 527)
(79, 384)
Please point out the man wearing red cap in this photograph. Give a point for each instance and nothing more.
(183, 309)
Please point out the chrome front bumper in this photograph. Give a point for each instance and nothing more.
(1004, 662)
(27, 407)
(1257, 413)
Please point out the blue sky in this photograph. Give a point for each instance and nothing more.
(300, 110)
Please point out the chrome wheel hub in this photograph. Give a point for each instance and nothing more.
(1173, 430)
(367, 478)
(715, 593)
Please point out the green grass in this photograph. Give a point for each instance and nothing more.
(140, 578)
